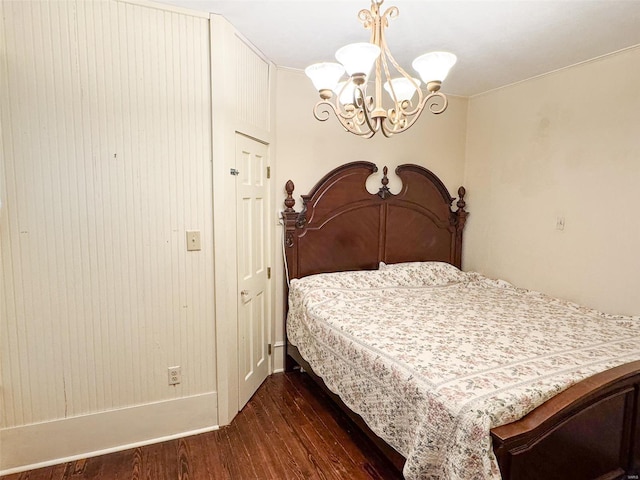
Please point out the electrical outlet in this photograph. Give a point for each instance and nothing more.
(175, 375)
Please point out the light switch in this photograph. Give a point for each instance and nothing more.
(193, 240)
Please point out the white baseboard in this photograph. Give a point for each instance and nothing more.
(278, 356)
(49, 443)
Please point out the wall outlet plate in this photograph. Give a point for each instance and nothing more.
(175, 375)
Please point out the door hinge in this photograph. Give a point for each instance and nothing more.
(233, 171)
(269, 350)
(268, 272)
(268, 172)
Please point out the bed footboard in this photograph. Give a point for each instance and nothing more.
(589, 431)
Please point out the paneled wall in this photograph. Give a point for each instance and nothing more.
(252, 87)
(106, 135)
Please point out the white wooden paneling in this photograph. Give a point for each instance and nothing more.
(252, 87)
(242, 95)
(106, 134)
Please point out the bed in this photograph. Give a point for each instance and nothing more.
(578, 421)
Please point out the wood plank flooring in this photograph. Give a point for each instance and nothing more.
(288, 430)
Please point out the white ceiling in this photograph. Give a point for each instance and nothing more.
(497, 42)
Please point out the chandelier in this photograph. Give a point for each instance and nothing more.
(363, 114)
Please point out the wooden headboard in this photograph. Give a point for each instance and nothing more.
(344, 227)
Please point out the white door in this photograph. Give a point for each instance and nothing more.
(252, 209)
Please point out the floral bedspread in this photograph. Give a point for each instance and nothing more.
(432, 358)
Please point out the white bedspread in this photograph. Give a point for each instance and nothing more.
(433, 358)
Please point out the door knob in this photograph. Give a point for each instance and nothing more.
(244, 293)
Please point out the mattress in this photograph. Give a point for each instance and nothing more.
(432, 357)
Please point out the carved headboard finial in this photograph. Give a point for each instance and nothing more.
(461, 218)
(289, 202)
(461, 203)
(384, 189)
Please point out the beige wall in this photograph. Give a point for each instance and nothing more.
(306, 149)
(566, 144)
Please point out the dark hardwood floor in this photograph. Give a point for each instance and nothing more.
(289, 430)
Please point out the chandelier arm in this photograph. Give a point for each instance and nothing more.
(365, 112)
(432, 106)
(397, 117)
(384, 50)
(445, 102)
(397, 66)
(322, 112)
(346, 113)
(387, 133)
(414, 118)
(363, 122)
(360, 110)
(397, 114)
(362, 101)
(355, 128)
(408, 113)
